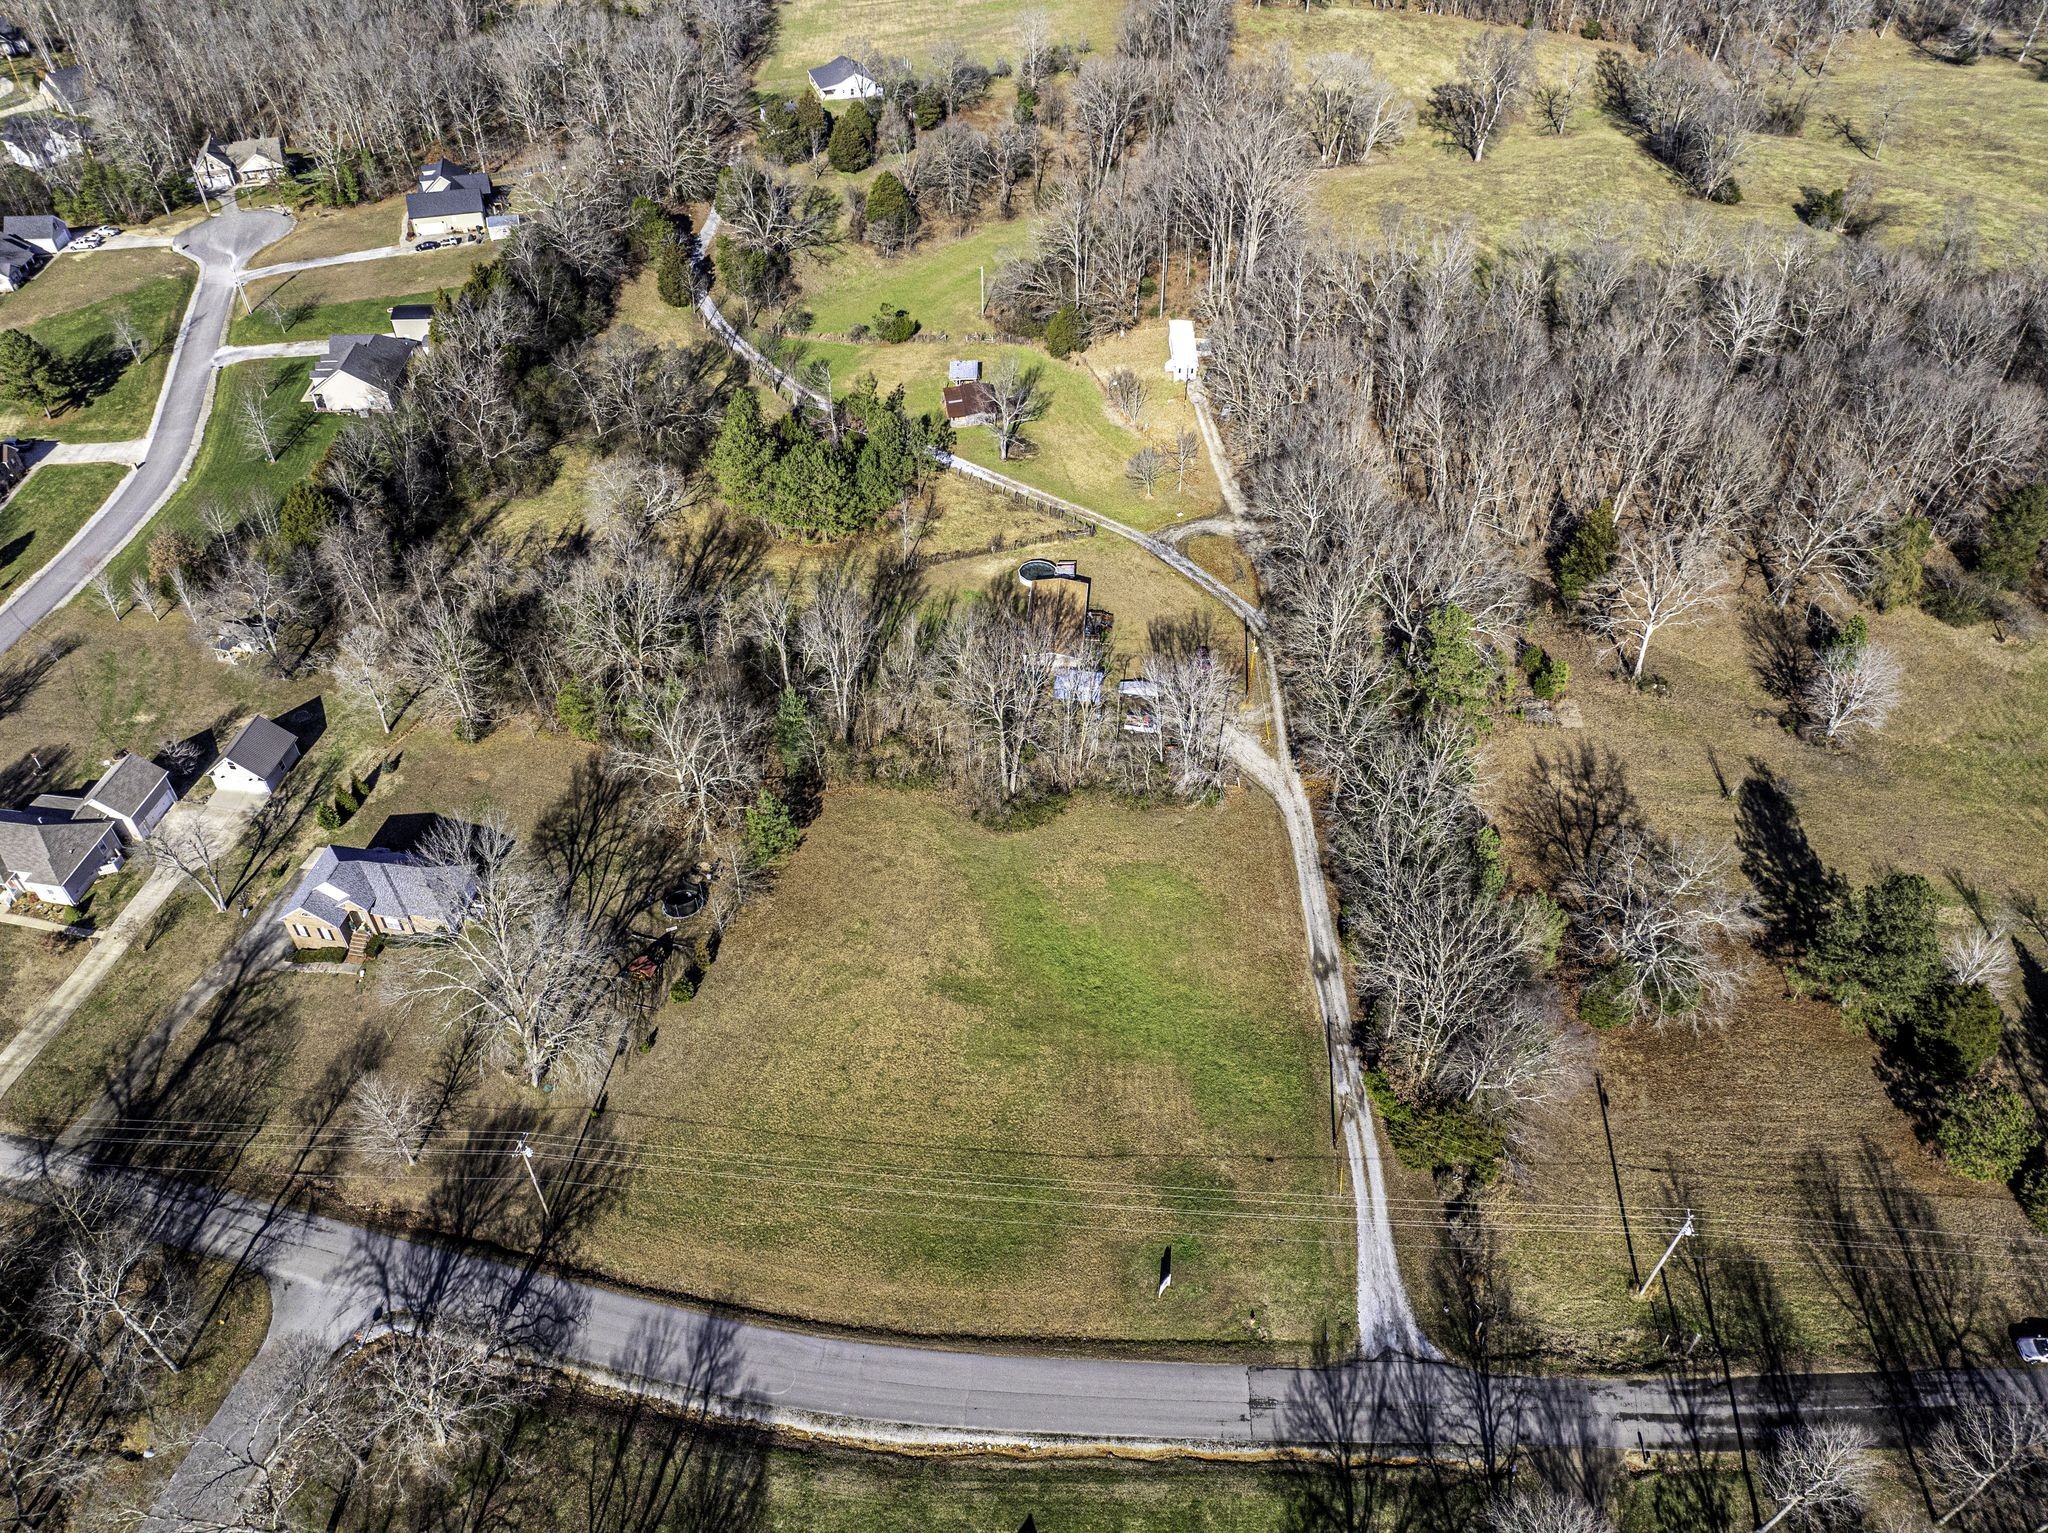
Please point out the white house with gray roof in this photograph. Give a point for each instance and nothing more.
(221, 167)
(134, 793)
(50, 855)
(452, 202)
(257, 759)
(349, 893)
(843, 80)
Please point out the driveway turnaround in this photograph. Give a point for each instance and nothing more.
(220, 245)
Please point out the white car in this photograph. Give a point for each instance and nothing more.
(106, 231)
(2032, 1341)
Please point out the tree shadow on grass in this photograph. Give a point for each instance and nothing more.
(1795, 887)
(1573, 803)
(608, 848)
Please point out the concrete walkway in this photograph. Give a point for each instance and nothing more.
(130, 452)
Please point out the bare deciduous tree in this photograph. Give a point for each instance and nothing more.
(1185, 452)
(113, 1297)
(836, 634)
(1818, 1474)
(195, 846)
(1129, 395)
(110, 594)
(258, 424)
(432, 1395)
(390, 1119)
(146, 597)
(1491, 80)
(528, 976)
(1544, 1510)
(1853, 688)
(1664, 576)
(1017, 397)
(1350, 110)
(697, 745)
(362, 665)
(45, 1457)
(1982, 1446)
(128, 337)
(1145, 468)
(1666, 922)
(1556, 100)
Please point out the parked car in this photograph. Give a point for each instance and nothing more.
(2031, 1337)
(429, 245)
(106, 231)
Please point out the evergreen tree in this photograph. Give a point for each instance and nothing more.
(810, 491)
(771, 834)
(1066, 332)
(892, 219)
(744, 454)
(853, 140)
(1877, 953)
(1455, 673)
(31, 373)
(794, 737)
(304, 515)
(1588, 554)
(813, 125)
(2013, 537)
(672, 274)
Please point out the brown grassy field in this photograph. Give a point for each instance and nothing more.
(809, 32)
(1745, 1125)
(80, 278)
(335, 231)
(1967, 134)
(977, 1079)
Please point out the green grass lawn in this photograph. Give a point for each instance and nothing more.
(229, 470)
(355, 298)
(41, 516)
(79, 279)
(116, 398)
(1967, 133)
(808, 32)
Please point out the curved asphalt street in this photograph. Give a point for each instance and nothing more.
(221, 246)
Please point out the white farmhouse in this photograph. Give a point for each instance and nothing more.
(1183, 351)
(844, 80)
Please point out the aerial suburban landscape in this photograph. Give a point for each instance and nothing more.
(1038, 766)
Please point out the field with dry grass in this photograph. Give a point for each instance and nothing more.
(1777, 1129)
(809, 32)
(1967, 136)
(940, 1079)
(78, 278)
(319, 231)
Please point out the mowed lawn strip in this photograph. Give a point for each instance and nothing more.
(1964, 134)
(322, 231)
(116, 397)
(230, 470)
(43, 514)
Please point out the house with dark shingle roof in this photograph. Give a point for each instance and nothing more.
(843, 80)
(39, 231)
(134, 793)
(359, 373)
(451, 202)
(257, 759)
(349, 891)
(40, 140)
(52, 856)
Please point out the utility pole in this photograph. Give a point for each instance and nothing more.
(525, 1152)
(1684, 1230)
(1635, 1276)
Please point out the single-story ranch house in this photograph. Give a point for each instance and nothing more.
(359, 374)
(349, 892)
(54, 858)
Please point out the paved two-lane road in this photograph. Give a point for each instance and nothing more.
(221, 245)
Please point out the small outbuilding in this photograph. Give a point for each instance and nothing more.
(843, 79)
(970, 404)
(1184, 351)
(412, 321)
(257, 759)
